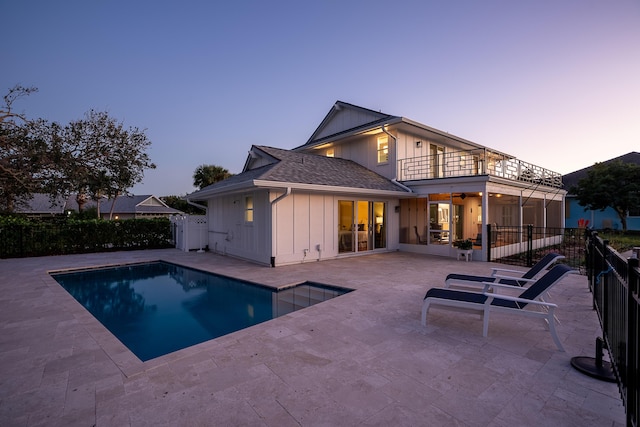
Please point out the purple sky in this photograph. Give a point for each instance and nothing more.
(554, 82)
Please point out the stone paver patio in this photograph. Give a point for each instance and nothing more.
(360, 359)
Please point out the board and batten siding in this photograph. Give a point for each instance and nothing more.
(230, 234)
(346, 118)
(303, 221)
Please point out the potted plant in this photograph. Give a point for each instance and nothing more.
(463, 245)
(465, 248)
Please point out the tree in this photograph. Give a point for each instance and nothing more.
(92, 157)
(23, 151)
(99, 157)
(613, 185)
(179, 203)
(205, 175)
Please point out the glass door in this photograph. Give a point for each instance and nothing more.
(346, 222)
(378, 213)
(458, 222)
(439, 223)
(364, 226)
(361, 225)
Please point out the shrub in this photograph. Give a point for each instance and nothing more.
(21, 237)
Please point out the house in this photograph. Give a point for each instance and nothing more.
(608, 219)
(42, 206)
(367, 181)
(132, 206)
(126, 207)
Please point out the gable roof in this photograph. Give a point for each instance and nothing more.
(42, 204)
(142, 204)
(278, 168)
(357, 118)
(346, 119)
(571, 179)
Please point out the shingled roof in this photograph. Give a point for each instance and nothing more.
(291, 168)
(571, 179)
(132, 204)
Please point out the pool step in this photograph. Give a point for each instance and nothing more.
(299, 297)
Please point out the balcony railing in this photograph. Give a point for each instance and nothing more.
(475, 162)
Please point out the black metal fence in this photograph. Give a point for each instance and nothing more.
(71, 237)
(615, 283)
(524, 246)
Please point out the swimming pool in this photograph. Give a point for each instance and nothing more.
(158, 308)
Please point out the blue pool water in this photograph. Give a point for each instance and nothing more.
(158, 308)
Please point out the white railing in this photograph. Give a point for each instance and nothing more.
(479, 161)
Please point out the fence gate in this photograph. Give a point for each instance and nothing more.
(190, 232)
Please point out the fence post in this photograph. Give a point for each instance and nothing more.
(632, 404)
(594, 366)
(529, 245)
(604, 306)
(489, 240)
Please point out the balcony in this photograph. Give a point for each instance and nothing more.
(481, 161)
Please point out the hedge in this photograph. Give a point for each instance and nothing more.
(20, 237)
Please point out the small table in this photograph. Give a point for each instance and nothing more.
(466, 253)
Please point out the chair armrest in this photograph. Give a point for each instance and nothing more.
(496, 269)
(520, 279)
(494, 285)
(491, 296)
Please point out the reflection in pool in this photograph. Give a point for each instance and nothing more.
(157, 308)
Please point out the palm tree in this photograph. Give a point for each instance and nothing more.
(205, 175)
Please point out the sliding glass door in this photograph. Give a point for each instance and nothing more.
(361, 225)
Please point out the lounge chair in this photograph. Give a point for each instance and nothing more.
(485, 302)
(498, 274)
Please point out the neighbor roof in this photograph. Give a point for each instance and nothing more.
(571, 179)
(302, 170)
(42, 204)
(135, 205)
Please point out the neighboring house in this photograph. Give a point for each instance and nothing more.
(146, 206)
(608, 219)
(368, 181)
(42, 206)
(128, 207)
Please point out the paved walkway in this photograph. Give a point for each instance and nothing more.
(360, 359)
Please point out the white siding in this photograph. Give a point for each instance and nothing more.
(304, 222)
(229, 234)
(346, 119)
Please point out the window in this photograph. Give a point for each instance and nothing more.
(248, 209)
(383, 149)
(330, 152)
(437, 161)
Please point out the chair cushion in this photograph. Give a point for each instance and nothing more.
(470, 297)
(480, 279)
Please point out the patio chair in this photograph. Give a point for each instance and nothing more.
(421, 241)
(512, 277)
(485, 302)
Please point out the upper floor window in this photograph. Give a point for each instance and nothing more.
(437, 161)
(383, 149)
(248, 209)
(330, 152)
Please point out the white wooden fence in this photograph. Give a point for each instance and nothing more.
(190, 232)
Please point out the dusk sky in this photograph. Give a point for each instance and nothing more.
(555, 83)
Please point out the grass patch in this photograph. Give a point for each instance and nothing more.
(621, 242)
